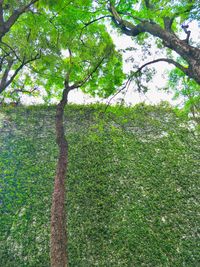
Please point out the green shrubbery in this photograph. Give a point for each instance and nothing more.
(132, 186)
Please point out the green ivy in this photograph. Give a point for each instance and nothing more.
(132, 186)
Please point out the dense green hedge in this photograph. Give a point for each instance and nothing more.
(132, 186)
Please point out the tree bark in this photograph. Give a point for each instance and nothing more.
(189, 53)
(58, 243)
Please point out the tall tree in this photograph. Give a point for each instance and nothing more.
(75, 57)
(69, 56)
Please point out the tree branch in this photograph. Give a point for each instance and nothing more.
(2, 59)
(168, 23)
(83, 81)
(170, 61)
(127, 27)
(126, 85)
(95, 20)
(67, 77)
(24, 91)
(148, 4)
(91, 22)
(168, 20)
(11, 49)
(4, 82)
(188, 32)
(14, 17)
(5, 76)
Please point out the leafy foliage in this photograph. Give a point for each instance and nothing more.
(188, 90)
(132, 186)
(68, 47)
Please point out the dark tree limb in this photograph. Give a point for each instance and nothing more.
(168, 23)
(23, 91)
(1, 12)
(148, 4)
(170, 40)
(95, 20)
(188, 32)
(2, 59)
(17, 13)
(126, 27)
(67, 77)
(6, 25)
(91, 22)
(5, 76)
(170, 61)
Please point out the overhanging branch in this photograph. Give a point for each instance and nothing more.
(127, 27)
(95, 20)
(170, 61)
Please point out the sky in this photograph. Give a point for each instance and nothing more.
(131, 96)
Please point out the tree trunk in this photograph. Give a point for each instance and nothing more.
(58, 241)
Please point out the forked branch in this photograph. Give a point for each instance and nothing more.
(6, 79)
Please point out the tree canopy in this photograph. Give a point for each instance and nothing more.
(55, 39)
(33, 30)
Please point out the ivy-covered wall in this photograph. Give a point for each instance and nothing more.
(132, 186)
